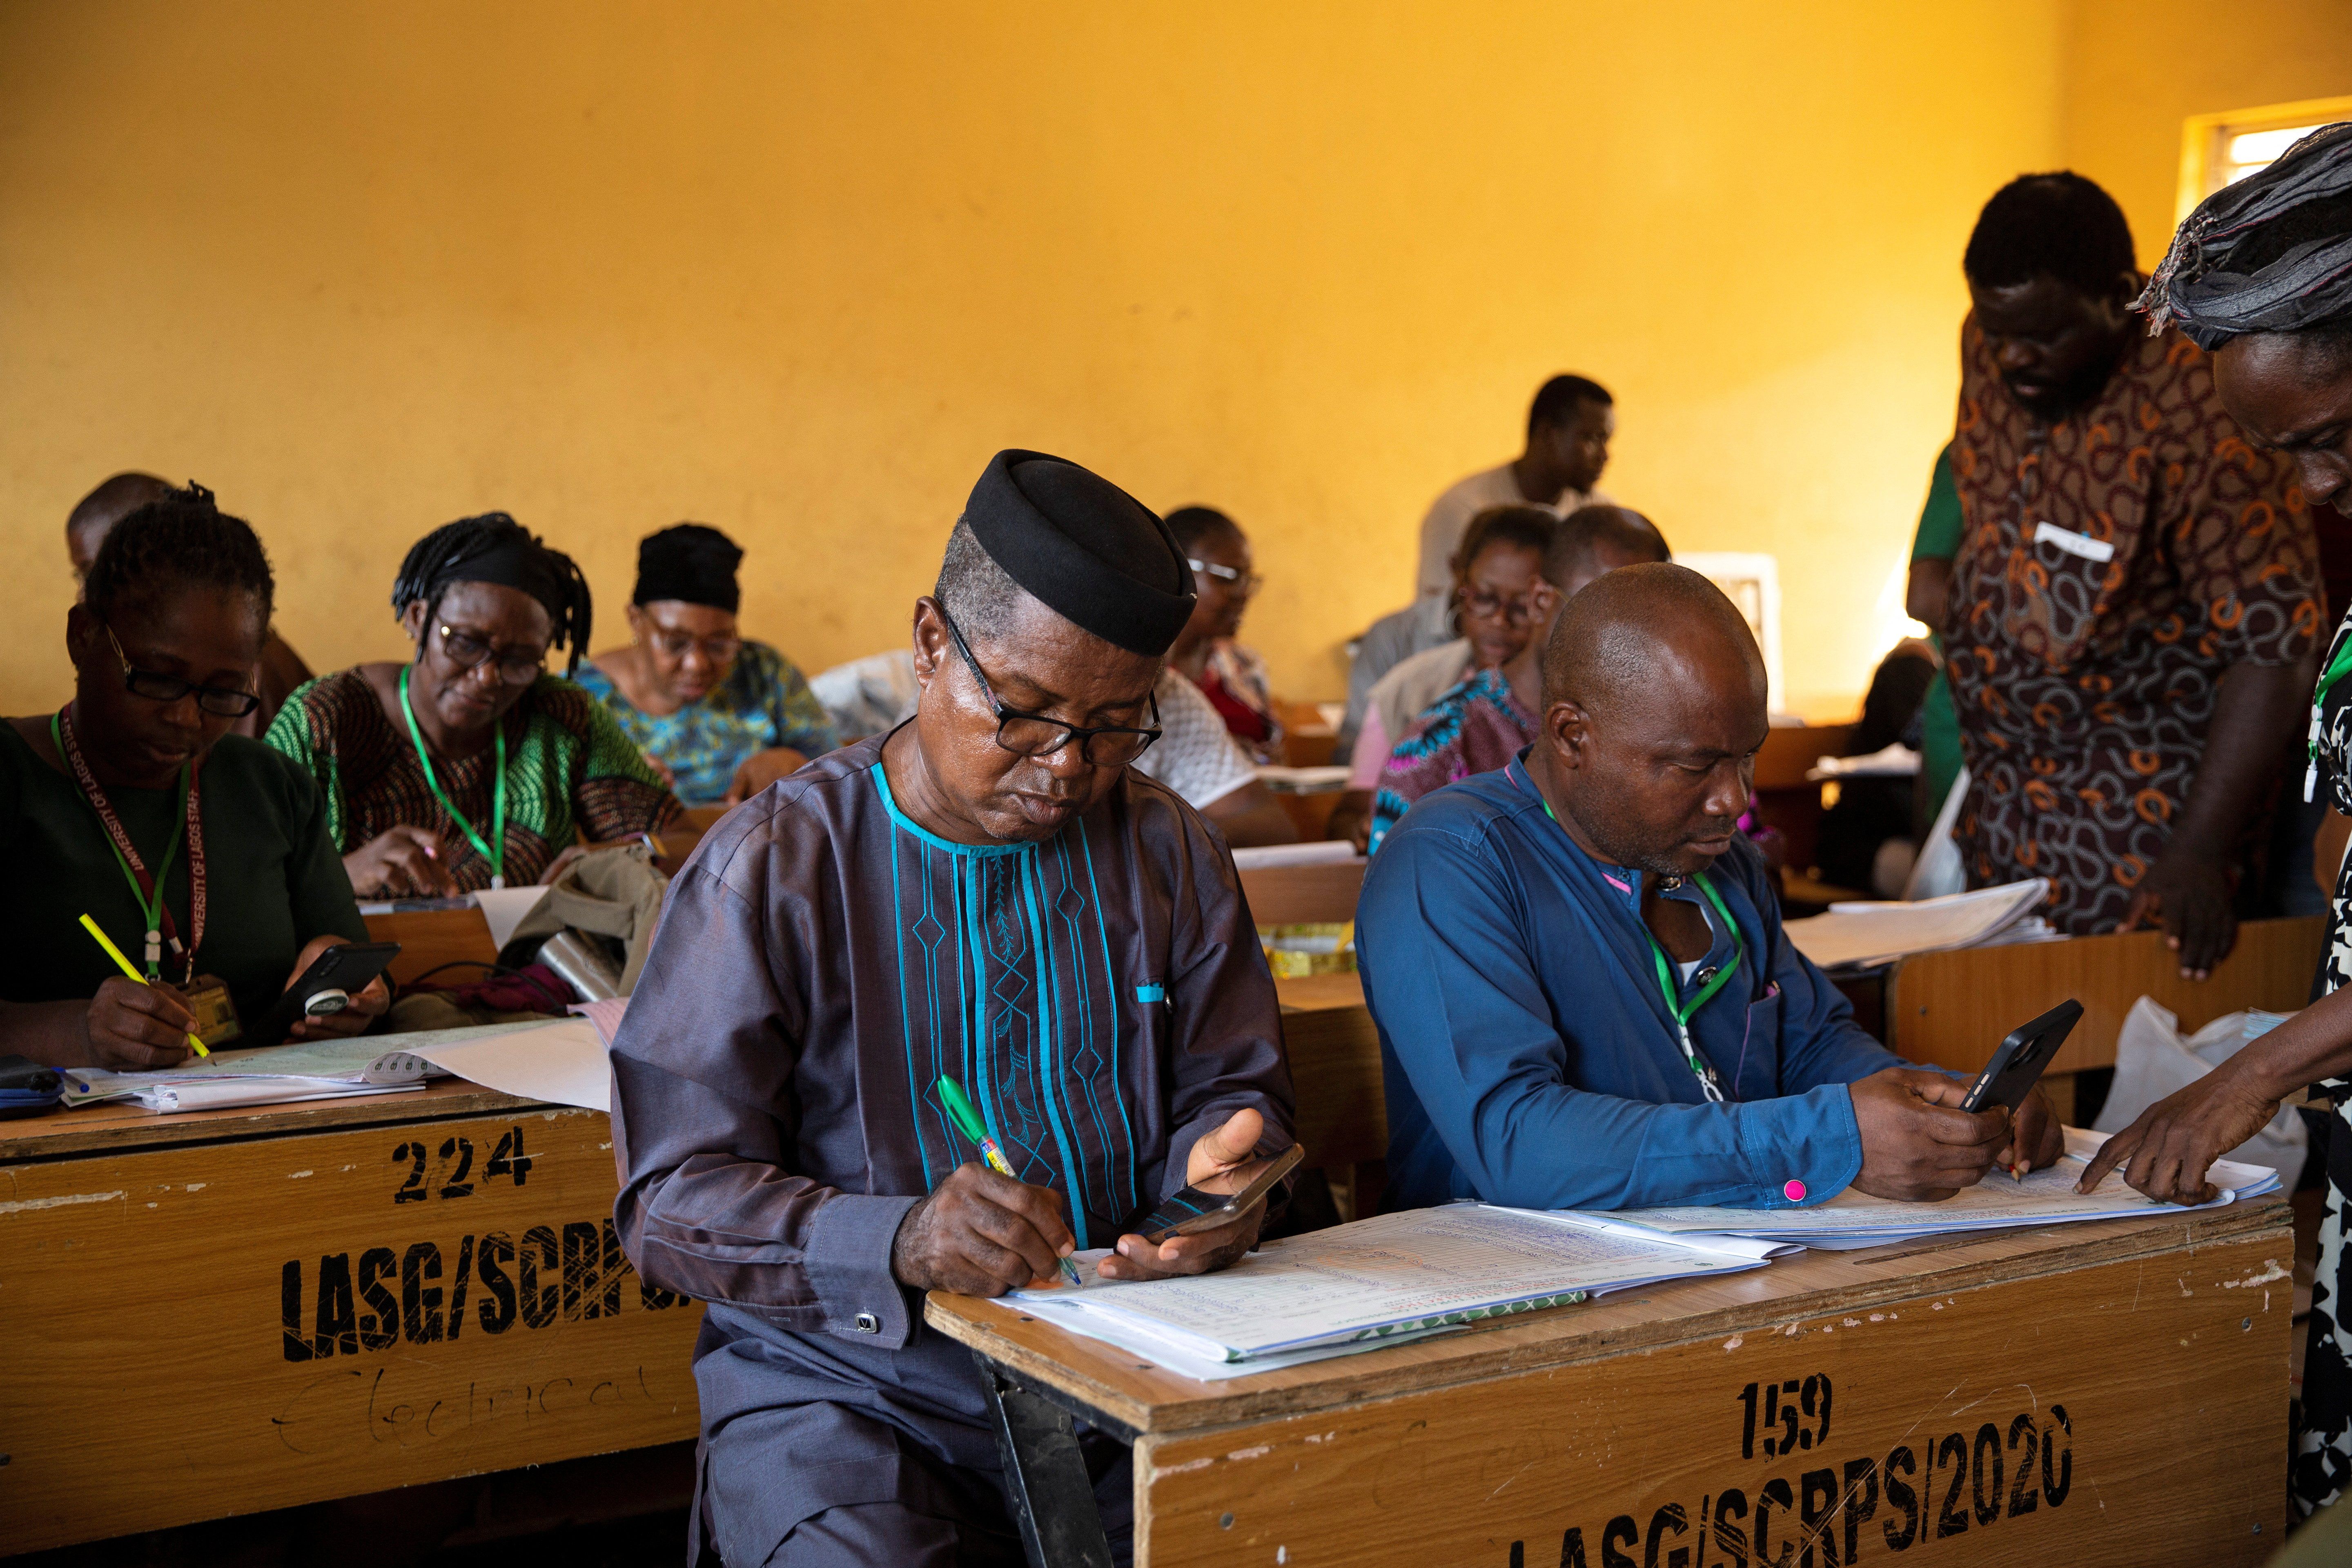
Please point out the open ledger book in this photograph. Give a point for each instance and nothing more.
(1855, 1219)
(1374, 1281)
(1870, 934)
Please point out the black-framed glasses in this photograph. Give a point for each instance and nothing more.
(228, 702)
(1037, 735)
(1519, 611)
(468, 652)
(678, 645)
(1232, 576)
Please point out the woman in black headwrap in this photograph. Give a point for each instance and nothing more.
(721, 717)
(471, 766)
(2261, 276)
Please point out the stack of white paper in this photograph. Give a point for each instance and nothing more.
(1354, 1286)
(1861, 934)
(1855, 1219)
(267, 1075)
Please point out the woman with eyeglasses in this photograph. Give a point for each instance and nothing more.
(205, 857)
(721, 717)
(1230, 675)
(471, 766)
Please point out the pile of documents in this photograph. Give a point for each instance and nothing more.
(272, 1075)
(1854, 1219)
(1375, 1281)
(1857, 935)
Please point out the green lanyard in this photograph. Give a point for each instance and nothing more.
(1680, 1011)
(117, 839)
(494, 852)
(2337, 667)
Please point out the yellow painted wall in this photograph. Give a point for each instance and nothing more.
(796, 270)
(2137, 69)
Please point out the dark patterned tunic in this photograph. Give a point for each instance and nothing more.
(2321, 1462)
(2113, 566)
(570, 770)
(822, 961)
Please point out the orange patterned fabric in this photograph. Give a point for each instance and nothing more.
(2084, 684)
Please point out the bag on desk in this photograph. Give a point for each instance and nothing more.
(2153, 1059)
(612, 897)
(26, 1088)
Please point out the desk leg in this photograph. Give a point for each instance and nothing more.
(1045, 1477)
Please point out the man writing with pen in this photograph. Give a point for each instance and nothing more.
(1584, 993)
(987, 894)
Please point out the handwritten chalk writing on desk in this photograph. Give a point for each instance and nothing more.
(1928, 1486)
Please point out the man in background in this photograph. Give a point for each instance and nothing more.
(281, 669)
(2131, 625)
(1569, 428)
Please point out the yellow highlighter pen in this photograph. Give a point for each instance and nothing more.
(115, 953)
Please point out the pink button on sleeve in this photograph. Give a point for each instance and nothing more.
(1794, 1191)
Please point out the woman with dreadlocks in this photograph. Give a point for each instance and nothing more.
(201, 854)
(471, 766)
(2261, 277)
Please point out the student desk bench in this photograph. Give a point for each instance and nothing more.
(224, 1312)
(2088, 1394)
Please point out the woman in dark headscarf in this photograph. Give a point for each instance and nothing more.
(723, 718)
(471, 766)
(2261, 276)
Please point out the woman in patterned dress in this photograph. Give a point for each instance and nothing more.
(721, 717)
(2261, 276)
(471, 766)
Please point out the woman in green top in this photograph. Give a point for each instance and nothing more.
(471, 766)
(137, 779)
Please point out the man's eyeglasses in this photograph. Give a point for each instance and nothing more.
(1245, 583)
(468, 652)
(1035, 735)
(678, 645)
(228, 702)
(1519, 611)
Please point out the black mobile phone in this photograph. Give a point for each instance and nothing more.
(327, 985)
(1193, 1210)
(2009, 1076)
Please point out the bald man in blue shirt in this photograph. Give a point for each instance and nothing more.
(1584, 993)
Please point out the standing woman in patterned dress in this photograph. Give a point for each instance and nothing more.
(2261, 276)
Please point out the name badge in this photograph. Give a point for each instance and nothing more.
(216, 1022)
(2081, 544)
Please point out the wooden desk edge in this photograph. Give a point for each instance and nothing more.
(117, 1129)
(1036, 1349)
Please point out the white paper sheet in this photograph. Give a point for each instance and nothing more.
(2045, 1197)
(1375, 1279)
(364, 1059)
(1849, 935)
(562, 1063)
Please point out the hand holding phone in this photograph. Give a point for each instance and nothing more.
(1220, 1211)
(327, 986)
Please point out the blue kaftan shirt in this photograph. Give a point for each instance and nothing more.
(1528, 1054)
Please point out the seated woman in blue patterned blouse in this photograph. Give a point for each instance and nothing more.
(722, 718)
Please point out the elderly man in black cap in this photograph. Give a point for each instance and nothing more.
(988, 894)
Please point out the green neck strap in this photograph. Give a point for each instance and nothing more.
(494, 850)
(1682, 1010)
(153, 907)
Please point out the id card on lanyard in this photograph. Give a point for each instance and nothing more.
(147, 888)
(1680, 1011)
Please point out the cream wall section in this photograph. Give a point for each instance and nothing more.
(797, 270)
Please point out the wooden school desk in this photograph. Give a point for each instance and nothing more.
(2093, 1393)
(231, 1310)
